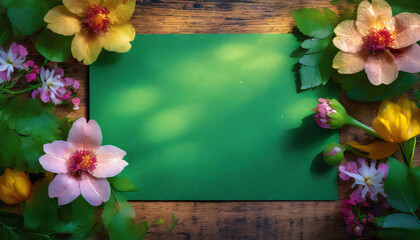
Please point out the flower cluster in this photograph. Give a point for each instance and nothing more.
(11, 60)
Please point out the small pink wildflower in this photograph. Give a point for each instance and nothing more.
(322, 110)
(33, 70)
(76, 102)
(13, 59)
(82, 164)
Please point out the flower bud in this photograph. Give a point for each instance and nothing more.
(15, 186)
(330, 114)
(333, 154)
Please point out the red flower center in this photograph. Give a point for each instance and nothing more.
(82, 160)
(96, 21)
(378, 40)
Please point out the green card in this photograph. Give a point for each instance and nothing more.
(213, 117)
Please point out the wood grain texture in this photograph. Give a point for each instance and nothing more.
(234, 220)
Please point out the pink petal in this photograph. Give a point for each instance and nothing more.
(59, 148)
(383, 168)
(407, 27)
(3, 75)
(94, 190)
(109, 162)
(35, 93)
(87, 136)
(45, 95)
(59, 71)
(56, 158)
(409, 59)
(76, 84)
(67, 81)
(348, 39)
(65, 187)
(381, 68)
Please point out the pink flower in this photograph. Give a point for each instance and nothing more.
(54, 86)
(356, 196)
(76, 102)
(358, 229)
(379, 43)
(33, 68)
(322, 111)
(349, 167)
(11, 60)
(82, 164)
(369, 179)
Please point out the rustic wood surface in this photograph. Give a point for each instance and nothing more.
(234, 220)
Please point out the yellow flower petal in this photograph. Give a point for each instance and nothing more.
(348, 39)
(120, 10)
(86, 47)
(397, 122)
(407, 30)
(62, 21)
(349, 63)
(118, 38)
(376, 150)
(79, 7)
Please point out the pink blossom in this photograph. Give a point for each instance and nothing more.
(370, 179)
(33, 68)
(11, 60)
(82, 164)
(349, 167)
(358, 229)
(356, 196)
(76, 102)
(322, 111)
(54, 86)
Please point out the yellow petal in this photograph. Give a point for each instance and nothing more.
(397, 122)
(376, 150)
(62, 21)
(86, 47)
(120, 10)
(79, 7)
(381, 68)
(349, 63)
(377, 15)
(407, 30)
(348, 39)
(118, 38)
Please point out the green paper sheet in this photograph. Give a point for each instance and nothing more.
(213, 117)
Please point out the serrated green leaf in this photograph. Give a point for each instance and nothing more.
(401, 220)
(118, 218)
(399, 187)
(358, 87)
(312, 22)
(41, 211)
(310, 77)
(54, 47)
(122, 184)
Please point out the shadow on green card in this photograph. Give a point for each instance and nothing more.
(213, 117)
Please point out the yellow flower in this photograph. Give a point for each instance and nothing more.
(376, 150)
(397, 122)
(15, 186)
(95, 24)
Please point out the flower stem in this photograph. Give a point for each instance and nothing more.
(21, 91)
(354, 122)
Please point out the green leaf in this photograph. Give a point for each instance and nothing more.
(358, 87)
(401, 220)
(54, 47)
(331, 17)
(310, 77)
(118, 218)
(157, 222)
(5, 27)
(123, 185)
(399, 187)
(25, 128)
(407, 150)
(312, 22)
(41, 211)
(415, 176)
(310, 43)
(27, 16)
(175, 221)
(11, 219)
(399, 234)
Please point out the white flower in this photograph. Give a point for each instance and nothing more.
(14, 58)
(369, 178)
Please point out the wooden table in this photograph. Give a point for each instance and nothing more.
(235, 220)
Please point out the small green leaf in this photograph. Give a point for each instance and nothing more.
(175, 221)
(407, 150)
(123, 185)
(312, 22)
(157, 222)
(54, 47)
(401, 220)
(399, 187)
(331, 17)
(310, 43)
(310, 77)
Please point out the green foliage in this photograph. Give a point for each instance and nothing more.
(399, 234)
(54, 47)
(41, 211)
(407, 150)
(358, 87)
(122, 184)
(5, 27)
(25, 127)
(118, 218)
(316, 64)
(399, 188)
(401, 220)
(27, 16)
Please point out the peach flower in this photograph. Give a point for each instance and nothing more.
(95, 24)
(379, 43)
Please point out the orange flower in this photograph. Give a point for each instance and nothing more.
(379, 43)
(95, 24)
